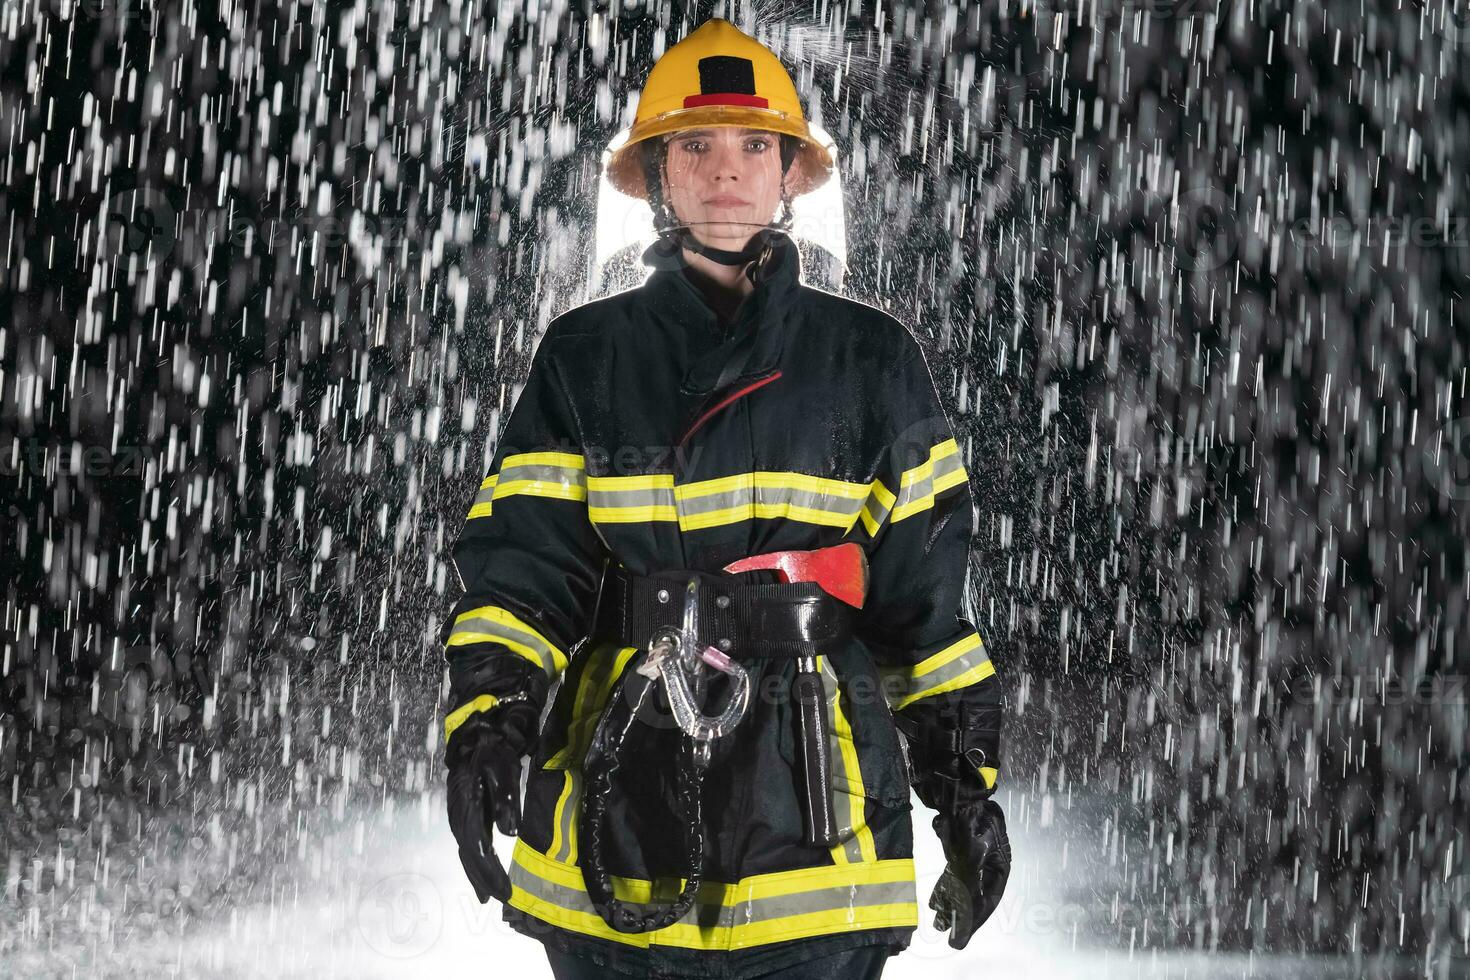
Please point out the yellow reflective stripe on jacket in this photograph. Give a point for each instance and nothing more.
(631, 499)
(876, 508)
(725, 500)
(958, 665)
(917, 486)
(480, 506)
(765, 494)
(849, 794)
(564, 820)
(459, 715)
(592, 695)
(560, 476)
(494, 624)
(761, 909)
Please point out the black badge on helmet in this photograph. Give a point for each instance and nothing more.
(720, 74)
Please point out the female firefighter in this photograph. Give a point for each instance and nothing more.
(728, 514)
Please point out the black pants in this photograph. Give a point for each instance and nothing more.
(861, 963)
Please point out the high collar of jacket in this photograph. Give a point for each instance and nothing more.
(672, 293)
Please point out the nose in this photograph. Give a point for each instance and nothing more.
(726, 162)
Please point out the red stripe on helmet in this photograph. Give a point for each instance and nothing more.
(726, 98)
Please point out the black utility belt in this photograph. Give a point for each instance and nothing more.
(747, 621)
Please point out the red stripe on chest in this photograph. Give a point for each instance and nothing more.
(723, 402)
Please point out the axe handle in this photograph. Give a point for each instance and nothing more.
(816, 756)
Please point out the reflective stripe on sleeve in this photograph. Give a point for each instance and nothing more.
(958, 665)
(917, 486)
(560, 476)
(480, 506)
(494, 624)
(459, 715)
(876, 508)
(758, 910)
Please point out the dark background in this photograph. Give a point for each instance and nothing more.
(1189, 278)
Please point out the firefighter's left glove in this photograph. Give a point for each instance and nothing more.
(977, 866)
(952, 744)
(484, 788)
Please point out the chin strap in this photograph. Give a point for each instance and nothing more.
(755, 250)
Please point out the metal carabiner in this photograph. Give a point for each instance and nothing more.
(677, 657)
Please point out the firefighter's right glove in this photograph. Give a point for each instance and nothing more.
(977, 866)
(484, 788)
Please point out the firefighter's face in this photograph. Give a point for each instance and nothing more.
(725, 182)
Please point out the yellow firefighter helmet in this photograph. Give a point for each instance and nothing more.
(719, 76)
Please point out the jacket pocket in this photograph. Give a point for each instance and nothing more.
(554, 787)
(579, 706)
(859, 757)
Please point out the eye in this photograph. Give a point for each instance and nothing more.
(759, 142)
(689, 146)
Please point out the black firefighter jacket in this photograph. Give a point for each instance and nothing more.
(650, 435)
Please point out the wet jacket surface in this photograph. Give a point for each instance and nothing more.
(651, 435)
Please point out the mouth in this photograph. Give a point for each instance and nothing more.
(725, 201)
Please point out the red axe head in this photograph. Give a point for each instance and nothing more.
(841, 570)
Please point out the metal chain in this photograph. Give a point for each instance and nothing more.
(620, 915)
